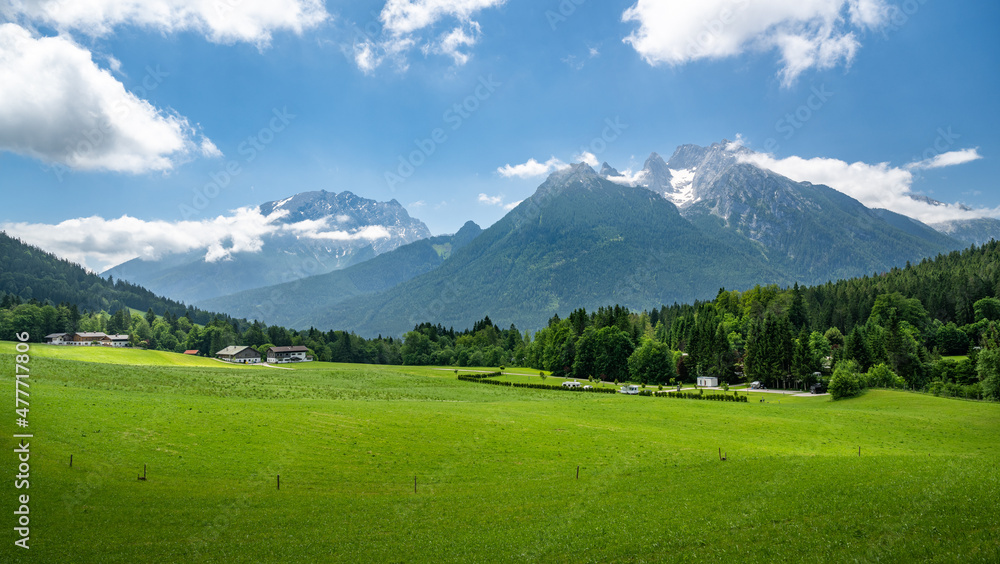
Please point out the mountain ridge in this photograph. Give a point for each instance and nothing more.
(315, 232)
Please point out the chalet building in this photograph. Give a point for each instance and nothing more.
(288, 354)
(87, 339)
(239, 355)
(56, 339)
(115, 340)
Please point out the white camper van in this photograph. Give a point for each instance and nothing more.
(631, 389)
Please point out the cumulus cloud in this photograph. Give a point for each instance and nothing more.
(490, 200)
(368, 233)
(806, 33)
(874, 185)
(950, 158)
(250, 21)
(587, 157)
(629, 178)
(497, 201)
(60, 107)
(100, 243)
(408, 24)
(531, 169)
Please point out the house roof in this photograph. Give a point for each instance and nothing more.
(193, 351)
(298, 348)
(118, 337)
(230, 351)
(54, 335)
(89, 335)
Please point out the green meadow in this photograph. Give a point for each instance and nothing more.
(495, 468)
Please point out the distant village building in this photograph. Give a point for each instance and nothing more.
(708, 382)
(192, 352)
(115, 340)
(288, 354)
(55, 339)
(239, 355)
(87, 339)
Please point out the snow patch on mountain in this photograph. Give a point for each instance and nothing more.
(682, 182)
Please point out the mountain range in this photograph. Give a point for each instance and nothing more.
(282, 303)
(319, 232)
(677, 230)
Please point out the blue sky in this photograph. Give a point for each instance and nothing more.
(272, 98)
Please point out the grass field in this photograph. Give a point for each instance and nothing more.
(495, 468)
(127, 356)
(955, 358)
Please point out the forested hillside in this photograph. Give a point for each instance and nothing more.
(28, 273)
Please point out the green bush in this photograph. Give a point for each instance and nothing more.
(846, 382)
(881, 376)
(988, 368)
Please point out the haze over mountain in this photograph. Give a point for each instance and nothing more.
(971, 231)
(317, 232)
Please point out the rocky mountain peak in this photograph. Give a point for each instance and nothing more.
(608, 170)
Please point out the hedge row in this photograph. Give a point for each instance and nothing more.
(713, 397)
(481, 380)
(472, 377)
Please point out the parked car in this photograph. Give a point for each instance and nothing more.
(818, 388)
(588, 387)
(757, 386)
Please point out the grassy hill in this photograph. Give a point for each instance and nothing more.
(126, 356)
(495, 470)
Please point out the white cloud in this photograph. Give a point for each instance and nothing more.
(60, 107)
(369, 232)
(874, 185)
(587, 157)
(100, 243)
(735, 144)
(407, 24)
(531, 169)
(951, 158)
(221, 21)
(401, 17)
(453, 42)
(807, 33)
(490, 200)
(497, 201)
(629, 178)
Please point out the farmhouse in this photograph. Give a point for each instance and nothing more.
(288, 354)
(115, 340)
(87, 339)
(708, 382)
(239, 355)
(56, 339)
